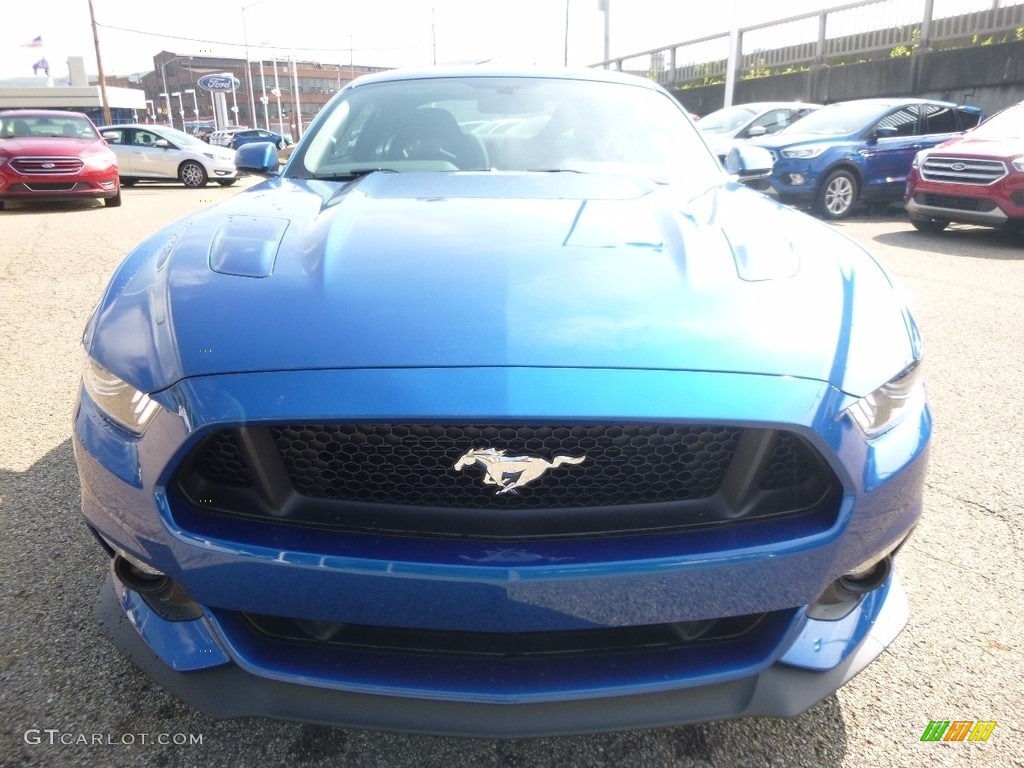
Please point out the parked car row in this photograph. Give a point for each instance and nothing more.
(932, 155)
(238, 135)
(859, 151)
(945, 162)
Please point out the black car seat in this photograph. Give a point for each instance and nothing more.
(429, 133)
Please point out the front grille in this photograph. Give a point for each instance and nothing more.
(47, 166)
(552, 481)
(504, 645)
(962, 170)
(956, 202)
(414, 465)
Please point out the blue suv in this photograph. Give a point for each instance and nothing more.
(858, 151)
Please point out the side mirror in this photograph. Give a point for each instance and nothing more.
(756, 130)
(110, 135)
(162, 143)
(747, 162)
(885, 132)
(259, 157)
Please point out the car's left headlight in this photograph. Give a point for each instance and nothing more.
(99, 161)
(1018, 164)
(121, 404)
(884, 408)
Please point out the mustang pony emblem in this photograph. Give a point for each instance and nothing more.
(510, 472)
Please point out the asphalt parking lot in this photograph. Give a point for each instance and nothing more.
(67, 698)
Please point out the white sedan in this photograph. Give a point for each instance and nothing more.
(158, 153)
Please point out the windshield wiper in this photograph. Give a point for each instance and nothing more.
(355, 173)
(554, 170)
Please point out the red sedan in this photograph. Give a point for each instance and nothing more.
(53, 155)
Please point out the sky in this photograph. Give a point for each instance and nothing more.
(389, 33)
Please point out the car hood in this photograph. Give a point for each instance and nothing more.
(784, 139)
(979, 146)
(483, 270)
(56, 146)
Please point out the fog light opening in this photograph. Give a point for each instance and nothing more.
(864, 580)
(135, 578)
(843, 594)
(161, 593)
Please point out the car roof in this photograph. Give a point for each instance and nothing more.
(147, 126)
(42, 113)
(895, 101)
(490, 70)
(761, 105)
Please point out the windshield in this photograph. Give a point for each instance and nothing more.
(837, 119)
(1008, 124)
(66, 126)
(504, 124)
(725, 120)
(180, 138)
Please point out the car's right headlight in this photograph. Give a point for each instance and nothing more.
(118, 401)
(884, 408)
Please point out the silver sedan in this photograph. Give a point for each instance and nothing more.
(158, 153)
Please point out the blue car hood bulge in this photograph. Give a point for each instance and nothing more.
(552, 270)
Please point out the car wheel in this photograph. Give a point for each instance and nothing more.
(113, 202)
(281, 144)
(837, 195)
(227, 182)
(192, 174)
(1, 205)
(929, 225)
(128, 182)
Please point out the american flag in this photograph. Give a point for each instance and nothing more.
(37, 43)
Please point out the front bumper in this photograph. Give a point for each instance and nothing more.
(236, 567)
(226, 690)
(60, 188)
(977, 207)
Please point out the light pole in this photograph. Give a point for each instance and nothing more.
(181, 109)
(298, 109)
(248, 67)
(263, 98)
(277, 94)
(163, 78)
(167, 97)
(195, 103)
(234, 98)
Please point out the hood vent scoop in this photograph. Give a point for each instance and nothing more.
(246, 246)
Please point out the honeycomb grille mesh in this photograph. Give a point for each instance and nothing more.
(414, 465)
(221, 461)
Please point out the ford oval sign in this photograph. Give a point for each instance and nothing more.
(225, 82)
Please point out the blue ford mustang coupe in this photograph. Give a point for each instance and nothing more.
(502, 410)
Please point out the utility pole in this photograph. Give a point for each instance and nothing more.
(606, 6)
(99, 67)
(566, 61)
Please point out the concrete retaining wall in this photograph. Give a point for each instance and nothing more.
(989, 76)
